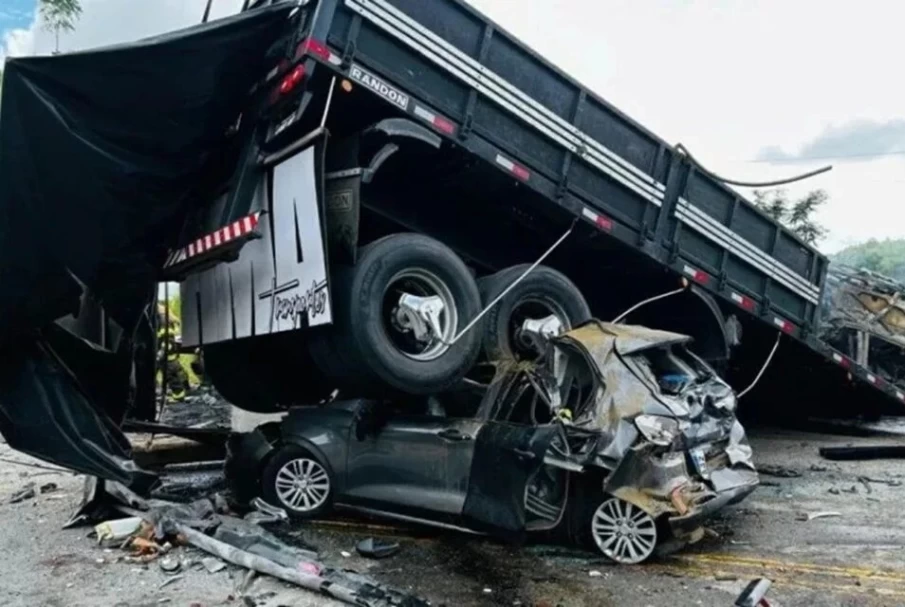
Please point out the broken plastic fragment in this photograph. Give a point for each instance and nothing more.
(118, 529)
(376, 549)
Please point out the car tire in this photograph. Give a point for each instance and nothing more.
(589, 518)
(367, 350)
(543, 292)
(266, 374)
(283, 482)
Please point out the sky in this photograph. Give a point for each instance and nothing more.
(756, 89)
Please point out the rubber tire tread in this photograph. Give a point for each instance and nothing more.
(543, 282)
(357, 351)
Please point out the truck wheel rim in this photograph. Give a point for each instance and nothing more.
(302, 484)
(533, 309)
(623, 532)
(422, 283)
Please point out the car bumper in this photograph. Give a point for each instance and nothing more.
(691, 520)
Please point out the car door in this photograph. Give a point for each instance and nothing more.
(414, 464)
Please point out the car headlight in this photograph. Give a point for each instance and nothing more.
(726, 402)
(659, 430)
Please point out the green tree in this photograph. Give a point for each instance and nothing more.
(884, 256)
(797, 215)
(59, 16)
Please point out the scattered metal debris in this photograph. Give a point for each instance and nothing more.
(26, 493)
(213, 565)
(48, 488)
(376, 549)
(778, 471)
(169, 564)
(863, 452)
(170, 580)
(754, 594)
(810, 516)
(119, 529)
(264, 513)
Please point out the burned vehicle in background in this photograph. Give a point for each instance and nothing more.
(617, 437)
(863, 317)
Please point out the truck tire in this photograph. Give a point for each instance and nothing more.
(544, 292)
(370, 347)
(265, 374)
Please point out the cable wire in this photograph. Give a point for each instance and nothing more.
(645, 302)
(762, 369)
(749, 184)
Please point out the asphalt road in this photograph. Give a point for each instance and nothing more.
(854, 559)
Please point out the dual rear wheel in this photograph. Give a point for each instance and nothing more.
(400, 315)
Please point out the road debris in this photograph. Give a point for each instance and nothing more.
(48, 488)
(754, 594)
(264, 513)
(26, 493)
(594, 573)
(377, 549)
(213, 565)
(864, 481)
(810, 516)
(230, 540)
(778, 471)
(863, 452)
(171, 580)
(119, 529)
(169, 564)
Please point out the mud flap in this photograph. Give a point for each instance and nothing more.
(505, 458)
(47, 413)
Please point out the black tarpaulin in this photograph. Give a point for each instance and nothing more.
(103, 151)
(102, 154)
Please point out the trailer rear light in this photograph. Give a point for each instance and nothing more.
(841, 360)
(292, 79)
(743, 301)
(317, 49)
(604, 223)
(784, 325)
(520, 172)
(699, 276)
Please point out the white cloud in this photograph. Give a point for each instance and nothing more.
(17, 43)
(731, 78)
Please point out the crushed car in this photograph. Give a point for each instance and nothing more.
(616, 437)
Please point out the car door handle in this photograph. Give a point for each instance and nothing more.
(451, 434)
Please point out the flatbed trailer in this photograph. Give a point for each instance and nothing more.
(516, 128)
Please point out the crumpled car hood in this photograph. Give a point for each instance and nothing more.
(602, 379)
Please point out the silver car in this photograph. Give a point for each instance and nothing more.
(618, 438)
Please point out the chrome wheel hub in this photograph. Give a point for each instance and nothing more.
(302, 485)
(420, 315)
(624, 532)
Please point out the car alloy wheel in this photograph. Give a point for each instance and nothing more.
(302, 485)
(623, 532)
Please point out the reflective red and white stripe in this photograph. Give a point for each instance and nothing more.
(236, 229)
(743, 301)
(318, 49)
(604, 223)
(900, 396)
(699, 276)
(784, 325)
(872, 378)
(841, 360)
(435, 120)
(516, 169)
